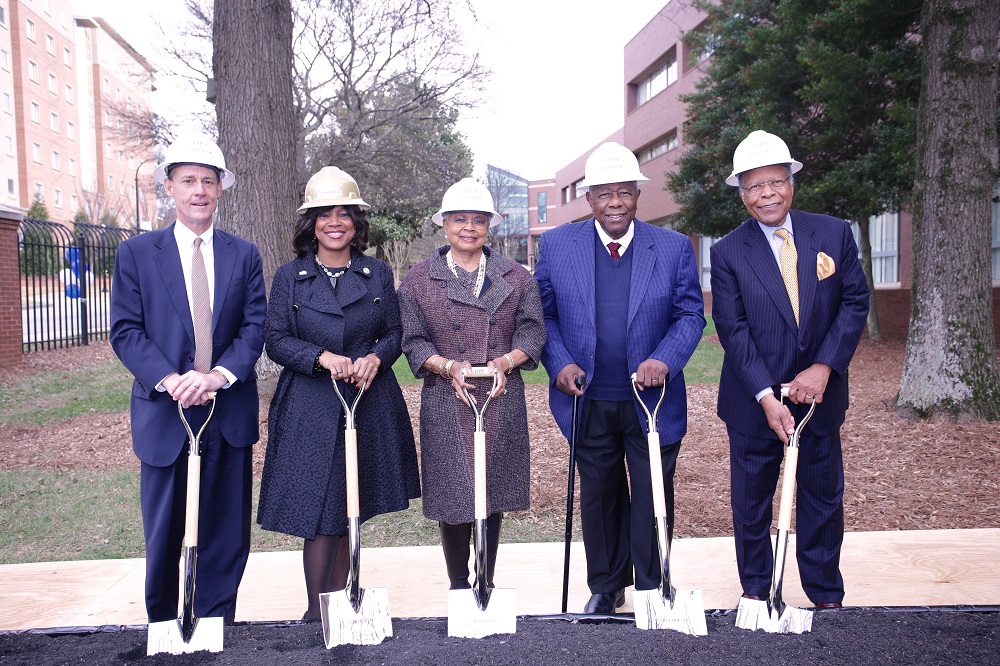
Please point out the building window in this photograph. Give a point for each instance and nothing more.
(70, 130)
(883, 232)
(29, 28)
(107, 118)
(74, 203)
(118, 95)
(54, 122)
(57, 198)
(53, 84)
(50, 44)
(664, 75)
(107, 149)
(106, 85)
(111, 183)
(543, 207)
(121, 156)
(55, 160)
(578, 189)
(39, 190)
(33, 71)
(69, 93)
(565, 195)
(36, 152)
(4, 59)
(121, 187)
(3, 15)
(661, 147)
(10, 181)
(10, 145)
(71, 167)
(6, 102)
(67, 57)
(35, 114)
(704, 245)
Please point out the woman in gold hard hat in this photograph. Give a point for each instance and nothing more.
(467, 305)
(333, 314)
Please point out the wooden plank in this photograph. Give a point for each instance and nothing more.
(912, 568)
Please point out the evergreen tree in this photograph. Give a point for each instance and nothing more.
(38, 209)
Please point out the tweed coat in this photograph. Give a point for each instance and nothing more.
(303, 489)
(441, 316)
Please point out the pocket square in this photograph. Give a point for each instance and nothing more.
(824, 266)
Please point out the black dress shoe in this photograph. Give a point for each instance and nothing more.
(605, 603)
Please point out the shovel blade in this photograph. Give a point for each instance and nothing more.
(653, 612)
(753, 615)
(370, 625)
(466, 620)
(166, 637)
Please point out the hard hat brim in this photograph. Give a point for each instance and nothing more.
(495, 219)
(638, 180)
(227, 177)
(734, 177)
(332, 201)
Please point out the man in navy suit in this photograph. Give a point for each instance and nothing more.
(620, 297)
(153, 331)
(771, 340)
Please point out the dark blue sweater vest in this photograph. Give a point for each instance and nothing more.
(613, 280)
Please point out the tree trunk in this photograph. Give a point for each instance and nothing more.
(864, 235)
(951, 361)
(252, 61)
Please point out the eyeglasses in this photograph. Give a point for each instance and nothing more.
(778, 184)
(477, 222)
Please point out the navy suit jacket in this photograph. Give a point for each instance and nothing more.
(754, 319)
(665, 313)
(153, 335)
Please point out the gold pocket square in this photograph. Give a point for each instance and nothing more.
(824, 266)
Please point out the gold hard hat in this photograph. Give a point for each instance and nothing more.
(331, 186)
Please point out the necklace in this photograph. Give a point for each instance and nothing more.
(480, 272)
(330, 274)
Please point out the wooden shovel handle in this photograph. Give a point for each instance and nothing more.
(351, 471)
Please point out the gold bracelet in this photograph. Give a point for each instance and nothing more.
(447, 368)
(510, 363)
(440, 365)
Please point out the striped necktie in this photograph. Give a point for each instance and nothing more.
(788, 256)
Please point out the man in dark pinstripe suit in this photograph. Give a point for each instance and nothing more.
(798, 330)
(620, 297)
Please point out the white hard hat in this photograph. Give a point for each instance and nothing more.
(195, 149)
(467, 195)
(331, 186)
(612, 163)
(760, 149)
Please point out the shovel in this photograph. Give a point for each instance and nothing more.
(483, 610)
(774, 616)
(188, 633)
(664, 607)
(571, 490)
(354, 615)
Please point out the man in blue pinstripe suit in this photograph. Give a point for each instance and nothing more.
(620, 297)
(805, 344)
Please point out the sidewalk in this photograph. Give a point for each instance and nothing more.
(917, 568)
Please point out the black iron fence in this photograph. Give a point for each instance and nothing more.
(66, 282)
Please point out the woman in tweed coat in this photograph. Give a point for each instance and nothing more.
(333, 311)
(467, 305)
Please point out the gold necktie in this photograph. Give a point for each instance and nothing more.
(202, 311)
(789, 258)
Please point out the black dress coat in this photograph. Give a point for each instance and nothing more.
(303, 490)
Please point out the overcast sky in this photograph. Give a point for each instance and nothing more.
(557, 86)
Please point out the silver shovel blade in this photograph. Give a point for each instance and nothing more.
(166, 637)
(466, 620)
(342, 625)
(687, 615)
(753, 615)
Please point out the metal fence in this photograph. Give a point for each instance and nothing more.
(66, 282)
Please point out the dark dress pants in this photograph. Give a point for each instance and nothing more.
(755, 464)
(223, 530)
(619, 530)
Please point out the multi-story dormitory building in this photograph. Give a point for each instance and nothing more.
(659, 68)
(74, 116)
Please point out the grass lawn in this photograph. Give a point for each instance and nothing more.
(94, 514)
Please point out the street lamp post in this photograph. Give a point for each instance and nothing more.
(138, 228)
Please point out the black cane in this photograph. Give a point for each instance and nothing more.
(579, 380)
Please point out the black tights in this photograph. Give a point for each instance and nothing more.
(326, 560)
